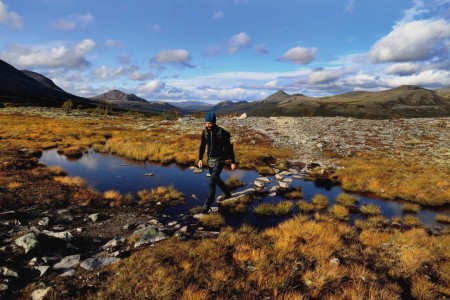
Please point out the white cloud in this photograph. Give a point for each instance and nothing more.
(105, 72)
(10, 18)
(428, 78)
(238, 42)
(179, 57)
(413, 41)
(402, 68)
(151, 87)
(54, 56)
(324, 76)
(217, 15)
(271, 85)
(299, 55)
(139, 76)
(73, 22)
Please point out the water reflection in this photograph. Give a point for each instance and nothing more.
(109, 172)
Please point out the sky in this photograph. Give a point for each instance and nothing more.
(217, 50)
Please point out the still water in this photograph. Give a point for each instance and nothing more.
(106, 172)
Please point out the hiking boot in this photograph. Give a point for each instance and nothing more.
(223, 197)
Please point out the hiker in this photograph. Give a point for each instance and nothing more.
(219, 150)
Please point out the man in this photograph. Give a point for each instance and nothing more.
(219, 150)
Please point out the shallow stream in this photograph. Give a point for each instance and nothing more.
(106, 172)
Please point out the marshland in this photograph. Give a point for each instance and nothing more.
(353, 222)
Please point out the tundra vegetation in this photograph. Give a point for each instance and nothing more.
(318, 255)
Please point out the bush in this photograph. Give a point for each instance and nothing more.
(67, 107)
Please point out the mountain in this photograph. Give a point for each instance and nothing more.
(403, 101)
(193, 105)
(30, 88)
(123, 101)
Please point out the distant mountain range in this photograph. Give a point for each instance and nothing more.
(31, 88)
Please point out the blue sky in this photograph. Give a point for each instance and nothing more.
(215, 50)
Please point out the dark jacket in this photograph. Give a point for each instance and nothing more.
(219, 144)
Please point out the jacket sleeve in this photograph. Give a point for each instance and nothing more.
(202, 147)
(229, 147)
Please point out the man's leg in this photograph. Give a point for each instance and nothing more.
(213, 181)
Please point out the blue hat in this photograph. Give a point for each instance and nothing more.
(210, 117)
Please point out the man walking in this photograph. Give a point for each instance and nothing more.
(219, 150)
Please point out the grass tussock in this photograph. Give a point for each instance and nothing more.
(306, 207)
(294, 194)
(115, 198)
(196, 210)
(320, 201)
(163, 195)
(282, 208)
(346, 199)
(265, 170)
(411, 221)
(442, 218)
(237, 205)
(68, 180)
(57, 171)
(411, 207)
(233, 183)
(340, 212)
(428, 185)
(213, 221)
(13, 185)
(370, 210)
(372, 222)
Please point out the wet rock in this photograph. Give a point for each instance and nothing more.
(284, 185)
(8, 272)
(288, 180)
(3, 287)
(68, 262)
(258, 184)
(94, 217)
(64, 235)
(148, 235)
(263, 179)
(40, 294)
(68, 273)
(278, 177)
(113, 244)
(42, 269)
(197, 170)
(45, 221)
(95, 263)
(28, 242)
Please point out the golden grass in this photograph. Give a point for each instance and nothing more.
(269, 209)
(388, 178)
(442, 218)
(67, 180)
(13, 185)
(234, 182)
(238, 205)
(115, 199)
(346, 199)
(411, 221)
(411, 207)
(164, 195)
(57, 171)
(320, 201)
(306, 207)
(212, 220)
(339, 211)
(370, 210)
(294, 194)
(265, 170)
(372, 222)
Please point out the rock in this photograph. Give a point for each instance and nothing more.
(42, 269)
(149, 174)
(148, 235)
(58, 228)
(284, 184)
(171, 224)
(40, 294)
(243, 116)
(28, 242)
(297, 177)
(64, 235)
(68, 262)
(197, 170)
(198, 216)
(335, 261)
(263, 179)
(289, 180)
(278, 177)
(68, 273)
(3, 287)
(258, 183)
(95, 263)
(45, 221)
(113, 244)
(94, 217)
(194, 197)
(9, 272)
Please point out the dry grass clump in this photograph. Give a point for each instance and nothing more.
(115, 199)
(411, 221)
(196, 210)
(237, 205)
(164, 195)
(294, 194)
(372, 222)
(282, 208)
(442, 218)
(339, 211)
(320, 201)
(213, 221)
(346, 199)
(57, 171)
(233, 183)
(265, 170)
(386, 178)
(68, 180)
(370, 210)
(305, 207)
(411, 207)
(13, 185)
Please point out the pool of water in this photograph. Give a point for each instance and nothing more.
(110, 172)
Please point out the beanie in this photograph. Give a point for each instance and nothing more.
(210, 117)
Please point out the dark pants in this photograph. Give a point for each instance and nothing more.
(213, 181)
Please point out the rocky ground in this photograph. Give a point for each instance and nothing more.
(60, 250)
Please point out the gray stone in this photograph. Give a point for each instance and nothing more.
(68, 262)
(9, 272)
(45, 221)
(28, 242)
(40, 294)
(68, 273)
(284, 184)
(42, 269)
(64, 235)
(148, 235)
(113, 244)
(3, 287)
(198, 170)
(95, 263)
(94, 217)
(263, 179)
(258, 184)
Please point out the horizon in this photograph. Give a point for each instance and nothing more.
(224, 50)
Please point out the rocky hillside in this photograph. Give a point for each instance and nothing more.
(115, 95)
(403, 101)
(30, 88)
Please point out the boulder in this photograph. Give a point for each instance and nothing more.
(68, 262)
(7, 272)
(263, 179)
(68, 273)
(64, 235)
(243, 116)
(258, 183)
(149, 234)
(278, 177)
(113, 244)
(95, 263)
(3, 287)
(42, 269)
(197, 170)
(28, 242)
(40, 293)
(284, 184)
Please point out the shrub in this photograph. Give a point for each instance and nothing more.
(320, 201)
(67, 107)
(165, 195)
(346, 199)
(370, 209)
(279, 209)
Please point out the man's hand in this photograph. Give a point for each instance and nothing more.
(200, 163)
(233, 167)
